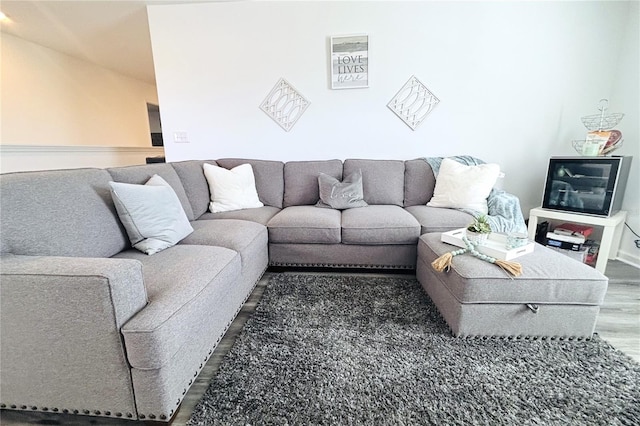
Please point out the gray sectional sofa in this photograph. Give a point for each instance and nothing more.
(91, 326)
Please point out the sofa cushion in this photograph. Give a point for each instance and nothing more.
(247, 238)
(151, 214)
(379, 224)
(59, 213)
(301, 180)
(419, 182)
(183, 283)
(231, 189)
(464, 187)
(341, 195)
(435, 219)
(382, 180)
(269, 178)
(195, 184)
(305, 224)
(260, 215)
(141, 174)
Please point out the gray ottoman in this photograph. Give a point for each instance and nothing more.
(555, 296)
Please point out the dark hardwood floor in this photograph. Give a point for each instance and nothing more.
(618, 323)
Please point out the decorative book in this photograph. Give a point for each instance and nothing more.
(574, 229)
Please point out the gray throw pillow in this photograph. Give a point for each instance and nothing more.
(151, 214)
(341, 195)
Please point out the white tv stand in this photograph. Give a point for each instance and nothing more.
(611, 234)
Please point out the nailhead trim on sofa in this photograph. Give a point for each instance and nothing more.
(141, 416)
(341, 265)
(165, 416)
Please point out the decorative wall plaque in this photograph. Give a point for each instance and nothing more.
(284, 104)
(413, 103)
(350, 61)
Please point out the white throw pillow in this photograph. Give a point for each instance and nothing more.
(151, 214)
(233, 189)
(464, 187)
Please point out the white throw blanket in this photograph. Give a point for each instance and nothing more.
(505, 214)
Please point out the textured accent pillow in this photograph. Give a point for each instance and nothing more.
(460, 186)
(151, 214)
(233, 189)
(341, 195)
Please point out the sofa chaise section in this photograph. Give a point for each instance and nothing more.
(191, 305)
(554, 296)
(91, 326)
(218, 264)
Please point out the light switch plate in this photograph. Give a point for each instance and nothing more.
(181, 137)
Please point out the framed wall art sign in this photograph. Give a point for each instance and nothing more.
(350, 61)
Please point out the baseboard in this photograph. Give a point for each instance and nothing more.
(628, 258)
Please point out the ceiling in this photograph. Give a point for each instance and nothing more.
(113, 34)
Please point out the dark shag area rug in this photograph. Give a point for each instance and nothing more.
(362, 350)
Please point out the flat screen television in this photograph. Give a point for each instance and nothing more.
(587, 185)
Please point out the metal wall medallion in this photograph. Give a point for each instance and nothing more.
(413, 103)
(284, 104)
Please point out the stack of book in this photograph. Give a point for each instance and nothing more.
(572, 240)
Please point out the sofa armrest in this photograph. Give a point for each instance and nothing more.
(121, 281)
(60, 321)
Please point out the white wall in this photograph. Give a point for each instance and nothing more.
(513, 78)
(52, 99)
(625, 98)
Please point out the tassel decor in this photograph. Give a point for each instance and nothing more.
(443, 263)
(514, 268)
